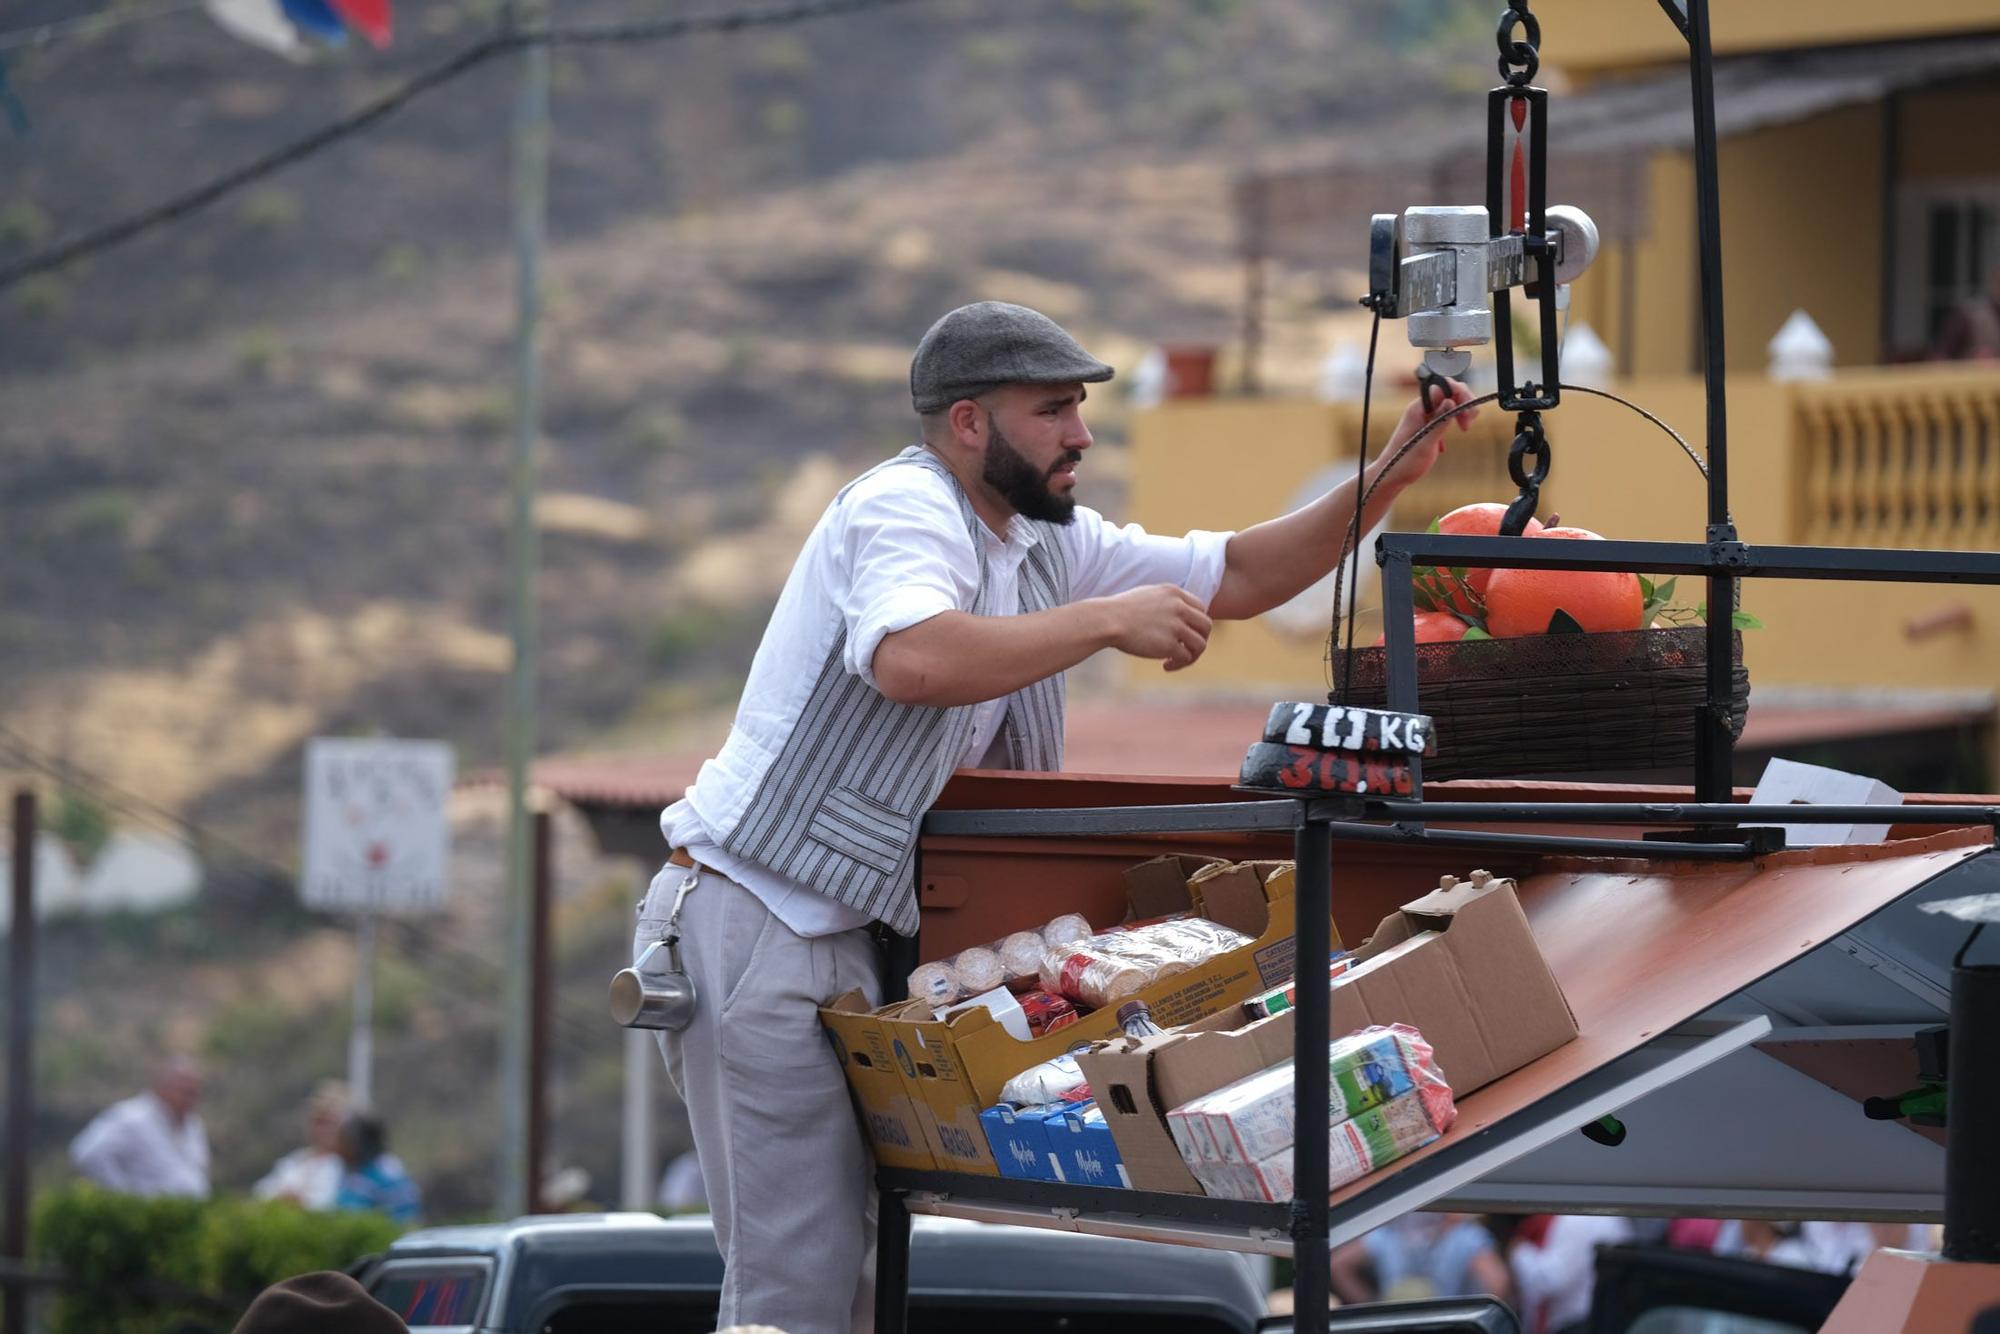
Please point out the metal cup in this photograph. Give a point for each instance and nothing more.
(647, 996)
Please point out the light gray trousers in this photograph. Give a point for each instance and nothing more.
(789, 1179)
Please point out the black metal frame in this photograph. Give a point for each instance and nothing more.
(1316, 824)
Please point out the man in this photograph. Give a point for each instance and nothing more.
(926, 626)
(152, 1143)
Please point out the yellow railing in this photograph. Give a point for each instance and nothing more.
(1901, 457)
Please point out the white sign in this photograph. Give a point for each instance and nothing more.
(376, 837)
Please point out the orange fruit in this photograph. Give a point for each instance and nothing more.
(1434, 627)
(1520, 602)
(1480, 520)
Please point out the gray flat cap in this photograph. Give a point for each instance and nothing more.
(990, 343)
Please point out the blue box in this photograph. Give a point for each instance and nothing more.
(1080, 1143)
(1020, 1143)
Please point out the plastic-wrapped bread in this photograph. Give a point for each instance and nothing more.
(1090, 977)
(1021, 956)
(934, 984)
(976, 970)
(1066, 930)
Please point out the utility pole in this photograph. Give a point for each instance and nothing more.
(20, 1057)
(531, 172)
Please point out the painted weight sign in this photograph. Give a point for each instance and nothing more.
(1304, 769)
(1332, 727)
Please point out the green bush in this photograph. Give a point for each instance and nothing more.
(172, 1266)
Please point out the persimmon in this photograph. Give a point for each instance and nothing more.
(1523, 602)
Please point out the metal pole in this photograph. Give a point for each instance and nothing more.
(1312, 897)
(1714, 746)
(530, 152)
(20, 1057)
(892, 1217)
(1972, 1115)
(640, 1167)
(538, 1017)
(361, 1038)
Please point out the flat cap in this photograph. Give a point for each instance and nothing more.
(991, 343)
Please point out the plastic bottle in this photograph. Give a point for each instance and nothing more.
(1136, 1018)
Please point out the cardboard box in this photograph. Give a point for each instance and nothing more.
(1478, 990)
(1082, 1148)
(1020, 1143)
(957, 1068)
(1237, 896)
(892, 1117)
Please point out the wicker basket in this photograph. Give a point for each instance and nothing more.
(1571, 703)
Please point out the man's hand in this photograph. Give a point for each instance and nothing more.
(1162, 621)
(1419, 460)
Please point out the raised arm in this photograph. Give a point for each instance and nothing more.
(1273, 562)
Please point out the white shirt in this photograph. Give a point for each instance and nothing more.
(310, 1176)
(889, 554)
(134, 1147)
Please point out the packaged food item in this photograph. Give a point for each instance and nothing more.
(1366, 1143)
(1046, 1013)
(1081, 1144)
(1280, 999)
(1253, 1117)
(1114, 964)
(1055, 1080)
(976, 970)
(1014, 961)
(1021, 957)
(1388, 1098)
(1065, 930)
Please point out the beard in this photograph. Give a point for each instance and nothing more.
(1022, 485)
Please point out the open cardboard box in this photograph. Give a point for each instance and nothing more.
(955, 1069)
(1479, 991)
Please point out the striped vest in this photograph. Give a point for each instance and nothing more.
(838, 809)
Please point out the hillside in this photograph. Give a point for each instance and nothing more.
(253, 467)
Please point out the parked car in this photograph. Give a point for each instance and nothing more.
(641, 1274)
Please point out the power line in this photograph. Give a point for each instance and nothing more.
(64, 253)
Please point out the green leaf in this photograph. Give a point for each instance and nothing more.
(1645, 588)
(1667, 589)
(1743, 620)
(1474, 632)
(1459, 573)
(1434, 525)
(1562, 623)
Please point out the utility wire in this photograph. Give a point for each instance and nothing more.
(64, 253)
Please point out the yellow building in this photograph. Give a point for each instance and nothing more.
(1860, 182)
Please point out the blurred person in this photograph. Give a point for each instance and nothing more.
(1773, 1241)
(375, 1178)
(1972, 331)
(152, 1143)
(310, 1176)
(1421, 1255)
(925, 626)
(681, 1189)
(1554, 1268)
(1694, 1234)
(319, 1303)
